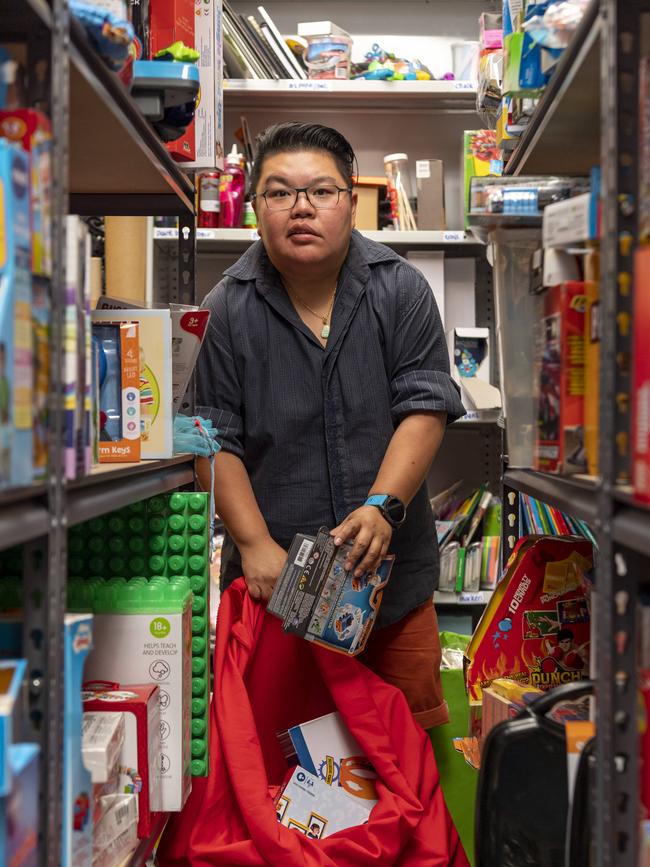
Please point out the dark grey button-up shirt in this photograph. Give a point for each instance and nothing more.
(312, 424)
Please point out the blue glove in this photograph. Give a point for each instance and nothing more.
(195, 435)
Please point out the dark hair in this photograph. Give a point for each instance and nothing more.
(293, 136)
(565, 635)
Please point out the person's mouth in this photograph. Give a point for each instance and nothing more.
(302, 231)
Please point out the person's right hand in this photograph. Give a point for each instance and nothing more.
(262, 562)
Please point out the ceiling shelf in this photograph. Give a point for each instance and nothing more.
(563, 136)
(117, 165)
(356, 95)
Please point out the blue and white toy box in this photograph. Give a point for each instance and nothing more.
(19, 824)
(12, 674)
(77, 843)
(16, 387)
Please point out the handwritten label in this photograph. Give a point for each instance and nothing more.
(463, 85)
(309, 85)
(453, 237)
(162, 233)
(471, 599)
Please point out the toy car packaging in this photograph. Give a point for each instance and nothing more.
(536, 626)
(318, 600)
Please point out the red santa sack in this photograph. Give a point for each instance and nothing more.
(265, 682)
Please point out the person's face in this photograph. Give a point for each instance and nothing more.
(304, 235)
(565, 644)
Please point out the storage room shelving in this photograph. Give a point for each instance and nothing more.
(588, 115)
(105, 160)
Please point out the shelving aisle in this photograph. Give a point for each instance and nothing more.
(105, 160)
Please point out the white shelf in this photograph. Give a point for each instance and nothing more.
(360, 93)
(236, 240)
(480, 597)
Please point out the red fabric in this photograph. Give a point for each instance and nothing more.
(266, 681)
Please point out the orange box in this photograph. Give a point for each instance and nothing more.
(127, 448)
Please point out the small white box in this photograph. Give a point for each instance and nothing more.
(313, 808)
(567, 222)
(115, 836)
(102, 741)
(208, 119)
(469, 353)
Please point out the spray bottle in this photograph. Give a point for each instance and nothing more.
(231, 191)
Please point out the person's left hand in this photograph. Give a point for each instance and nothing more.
(371, 533)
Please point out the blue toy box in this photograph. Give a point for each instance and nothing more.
(19, 809)
(15, 319)
(12, 674)
(77, 843)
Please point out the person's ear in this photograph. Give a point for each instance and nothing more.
(355, 200)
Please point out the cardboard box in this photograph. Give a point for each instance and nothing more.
(593, 330)
(33, 132)
(12, 674)
(154, 647)
(311, 807)
(430, 180)
(641, 377)
(119, 435)
(367, 208)
(102, 741)
(16, 377)
(19, 810)
(561, 364)
(139, 759)
(481, 158)
(173, 21)
(77, 842)
(208, 120)
(115, 836)
(469, 360)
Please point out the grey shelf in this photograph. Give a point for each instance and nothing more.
(113, 486)
(574, 495)
(563, 136)
(23, 517)
(15, 15)
(117, 165)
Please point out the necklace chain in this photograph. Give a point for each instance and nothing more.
(325, 333)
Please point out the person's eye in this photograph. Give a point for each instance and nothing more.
(324, 192)
(278, 194)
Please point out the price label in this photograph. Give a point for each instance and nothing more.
(453, 237)
(204, 234)
(309, 85)
(471, 599)
(463, 85)
(163, 233)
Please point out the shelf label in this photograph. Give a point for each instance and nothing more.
(470, 599)
(463, 85)
(309, 85)
(254, 235)
(165, 232)
(453, 237)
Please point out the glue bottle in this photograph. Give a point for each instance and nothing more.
(231, 191)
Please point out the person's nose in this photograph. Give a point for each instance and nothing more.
(302, 206)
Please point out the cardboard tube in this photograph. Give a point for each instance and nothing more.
(126, 257)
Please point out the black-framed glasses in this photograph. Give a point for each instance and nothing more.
(321, 196)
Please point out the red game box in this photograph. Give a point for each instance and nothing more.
(536, 627)
(140, 758)
(173, 21)
(561, 366)
(641, 376)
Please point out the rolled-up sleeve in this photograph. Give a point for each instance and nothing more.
(420, 380)
(218, 388)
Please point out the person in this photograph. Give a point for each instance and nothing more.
(325, 371)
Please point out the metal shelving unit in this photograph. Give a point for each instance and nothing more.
(105, 160)
(589, 115)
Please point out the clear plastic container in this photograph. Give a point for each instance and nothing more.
(328, 57)
(518, 318)
(400, 192)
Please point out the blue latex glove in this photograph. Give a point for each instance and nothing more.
(195, 435)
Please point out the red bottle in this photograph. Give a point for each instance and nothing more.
(209, 200)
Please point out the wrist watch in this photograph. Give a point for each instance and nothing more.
(393, 509)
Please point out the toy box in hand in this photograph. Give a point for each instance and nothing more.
(156, 418)
(118, 348)
(33, 132)
(77, 840)
(536, 627)
(319, 601)
(139, 761)
(19, 818)
(561, 365)
(315, 809)
(15, 319)
(327, 749)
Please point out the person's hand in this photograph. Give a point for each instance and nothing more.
(262, 562)
(371, 533)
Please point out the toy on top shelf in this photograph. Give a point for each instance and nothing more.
(380, 65)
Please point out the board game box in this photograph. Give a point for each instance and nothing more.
(318, 600)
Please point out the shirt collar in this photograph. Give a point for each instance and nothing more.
(256, 265)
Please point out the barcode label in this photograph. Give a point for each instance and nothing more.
(303, 553)
(122, 813)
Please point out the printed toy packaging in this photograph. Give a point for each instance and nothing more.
(319, 601)
(19, 809)
(536, 628)
(561, 365)
(118, 349)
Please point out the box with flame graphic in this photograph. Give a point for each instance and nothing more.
(537, 624)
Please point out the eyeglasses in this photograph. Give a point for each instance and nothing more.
(321, 196)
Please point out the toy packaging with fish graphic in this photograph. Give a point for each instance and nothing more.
(319, 601)
(536, 628)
